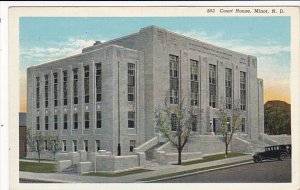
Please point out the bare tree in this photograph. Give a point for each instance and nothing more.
(228, 128)
(35, 140)
(174, 122)
(54, 143)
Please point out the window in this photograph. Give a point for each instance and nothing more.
(75, 86)
(86, 84)
(212, 85)
(65, 121)
(98, 119)
(131, 145)
(75, 121)
(131, 82)
(173, 122)
(37, 79)
(46, 91)
(97, 145)
(194, 82)
(37, 123)
(45, 145)
(74, 146)
(228, 88)
(55, 122)
(194, 122)
(87, 120)
(98, 82)
(65, 87)
(64, 145)
(243, 90)
(86, 145)
(174, 79)
(131, 118)
(243, 125)
(46, 122)
(55, 88)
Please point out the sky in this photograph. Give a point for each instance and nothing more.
(43, 39)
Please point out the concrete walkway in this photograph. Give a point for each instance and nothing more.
(163, 169)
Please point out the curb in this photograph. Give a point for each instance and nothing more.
(41, 180)
(198, 172)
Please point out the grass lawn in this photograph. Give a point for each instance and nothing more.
(213, 157)
(189, 171)
(37, 167)
(102, 174)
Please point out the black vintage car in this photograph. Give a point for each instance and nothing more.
(280, 152)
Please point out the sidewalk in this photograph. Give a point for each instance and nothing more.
(163, 169)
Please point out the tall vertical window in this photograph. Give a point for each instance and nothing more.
(65, 87)
(74, 146)
(65, 121)
(131, 119)
(75, 119)
(131, 81)
(228, 88)
(86, 120)
(243, 125)
(98, 145)
(86, 145)
(243, 90)
(131, 145)
(37, 123)
(37, 80)
(64, 145)
(99, 119)
(194, 122)
(212, 85)
(55, 88)
(173, 122)
(46, 91)
(174, 78)
(55, 122)
(46, 122)
(86, 84)
(75, 86)
(194, 82)
(98, 82)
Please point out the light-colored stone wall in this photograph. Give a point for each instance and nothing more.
(63, 164)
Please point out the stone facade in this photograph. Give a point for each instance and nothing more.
(127, 121)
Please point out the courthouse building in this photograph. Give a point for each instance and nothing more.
(106, 96)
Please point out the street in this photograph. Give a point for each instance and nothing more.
(266, 172)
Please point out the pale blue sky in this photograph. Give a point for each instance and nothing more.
(268, 38)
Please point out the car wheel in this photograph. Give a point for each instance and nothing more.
(283, 156)
(258, 159)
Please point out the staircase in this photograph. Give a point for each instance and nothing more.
(70, 170)
(150, 152)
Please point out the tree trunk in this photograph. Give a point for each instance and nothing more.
(39, 154)
(179, 156)
(226, 144)
(226, 150)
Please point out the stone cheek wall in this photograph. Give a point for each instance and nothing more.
(105, 161)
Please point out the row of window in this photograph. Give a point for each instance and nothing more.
(65, 86)
(174, 122)
(85, 145)
(194, 68)
(86, 81)
(131, 121)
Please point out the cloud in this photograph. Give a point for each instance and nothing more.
(237, 44)
(36, 55)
